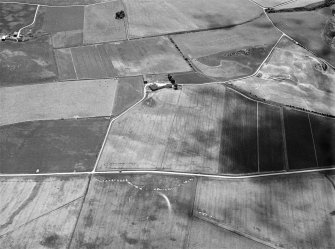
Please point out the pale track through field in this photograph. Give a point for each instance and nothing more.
(38, 6)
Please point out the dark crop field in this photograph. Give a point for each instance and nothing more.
(51, 146)
(324, 138)
(238, 149)
(299, 141)
(270, 135)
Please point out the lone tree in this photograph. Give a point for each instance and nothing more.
(120, 15)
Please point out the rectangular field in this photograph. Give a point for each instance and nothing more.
(299, 141)
(126, 211)
(238, 149)
(147, 18)
(283, 211)
(129, 91)
(70, 99)
(24, 199)
(57, 19)
(100, 24)
(51, 146)
(128, 58)
(65, 65)
(271, 139)
(324, 139)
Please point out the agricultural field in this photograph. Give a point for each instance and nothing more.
(61, 100)
(39, 212)
(147, 18)
(15, 16)
(323, 130)
(317, 33)
(27, 63)
(272, 155)
(173, 124)
(60, 2)
(100, 24)
(51, 146)
(128, 58)
(299, 140)
(292, 211)
(129, 91)
(293, 76)
(230, 53)
(208, 129)
(300, 4)
(125, 211)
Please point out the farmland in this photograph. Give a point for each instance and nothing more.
(229, 53)
(71, 99)
(100, 24)
(14, 16)
(160, 17)
(173, 124)
(283, 211)
(293, 76)
(316, 34)
(36, 203)
(148, 56)
(300, 150)
(51, 146)
(28, 63)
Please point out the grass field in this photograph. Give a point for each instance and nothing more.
(300, 149)
(59, 100)
(128, 58)
(324, 138)
(271, 140)
(15, 16)
(65, 65)
(100, 24)
(129, 91)
(238, 148)
(315, 34)
(130, 212)
(293, 76)
(230, 53)
(51, 146)
(27, 63)
(24, 200)
(147, 18)
(284, 211)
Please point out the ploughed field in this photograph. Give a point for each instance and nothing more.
(98, 148)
